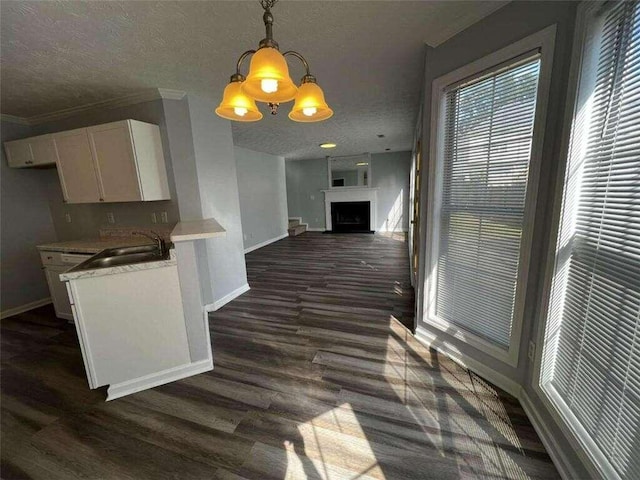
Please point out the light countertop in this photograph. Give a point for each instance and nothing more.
(132, 267)
(94, 245)
(196, 230)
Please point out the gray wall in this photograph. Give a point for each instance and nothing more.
(263, 196)
(86, 219)
(218, 185)
(305, 181)
(389, 173)
(25, 222)
(509, 24)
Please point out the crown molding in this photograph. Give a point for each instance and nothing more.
(133, 99)
(169, 94)
(13, 119)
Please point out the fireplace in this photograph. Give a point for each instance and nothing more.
(351, 217)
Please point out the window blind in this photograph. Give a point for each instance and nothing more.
(592, 344)
(487, 150)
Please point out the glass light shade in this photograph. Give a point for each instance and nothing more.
(237, 106)
(310, 105)
(268, 79)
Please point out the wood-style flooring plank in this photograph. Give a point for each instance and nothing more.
(316, 376)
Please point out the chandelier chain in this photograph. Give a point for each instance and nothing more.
(268, 4)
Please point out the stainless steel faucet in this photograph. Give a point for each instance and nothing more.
(156, 237)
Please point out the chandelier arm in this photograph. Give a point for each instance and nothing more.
(300, 57)
(241, 59)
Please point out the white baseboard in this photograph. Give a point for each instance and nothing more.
(265, 243)
(397, 230)
(218, 304)
(118, 390)
(555, 451)
(315, 229)
(25, 308)
(429, 339)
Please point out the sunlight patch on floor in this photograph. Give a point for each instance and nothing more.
(334, 446)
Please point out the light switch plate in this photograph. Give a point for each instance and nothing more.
(154, 218)
(111, 218)
(164, 218)
(67, 217)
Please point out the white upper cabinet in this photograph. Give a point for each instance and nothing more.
(116, 162)
(76, 167)
(31, 152)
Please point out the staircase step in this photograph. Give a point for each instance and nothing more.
(297, 230)
(293, 222)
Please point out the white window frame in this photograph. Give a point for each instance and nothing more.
(542, 41)
(589, 454)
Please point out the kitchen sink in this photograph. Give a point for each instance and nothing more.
(136, 249)
(114, 257)
(126, 259)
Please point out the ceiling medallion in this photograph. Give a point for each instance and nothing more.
(268, 81)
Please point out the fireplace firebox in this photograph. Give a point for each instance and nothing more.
(351, 217)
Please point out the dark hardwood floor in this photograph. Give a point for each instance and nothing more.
(315, 378)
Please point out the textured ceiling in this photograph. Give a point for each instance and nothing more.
(367, 56)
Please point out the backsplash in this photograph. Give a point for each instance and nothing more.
(164, 231)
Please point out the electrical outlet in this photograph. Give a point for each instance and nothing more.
(67, 217)
(312, 197)
(111, 218)
(164, 218)
(154, 218)
(532, 351)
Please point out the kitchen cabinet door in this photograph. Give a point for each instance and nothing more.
(43, 150)
(115, 162)
(76, 167)
(18, 153)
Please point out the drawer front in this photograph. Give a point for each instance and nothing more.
(63, 259)
(51, 258)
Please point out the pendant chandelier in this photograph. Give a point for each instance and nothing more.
(268, 81)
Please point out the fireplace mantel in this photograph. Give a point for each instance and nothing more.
(350, 194)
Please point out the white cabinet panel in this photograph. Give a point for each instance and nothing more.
(43, 150)
(31, 152)
(115, 162)
(130, 324)
(76, 167)
(58, 290)
(18, 153)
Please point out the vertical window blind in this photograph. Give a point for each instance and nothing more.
(591, 357)
(487, 150)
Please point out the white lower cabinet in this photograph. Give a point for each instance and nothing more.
(55, 263)
(131, 328)
(58, 291)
